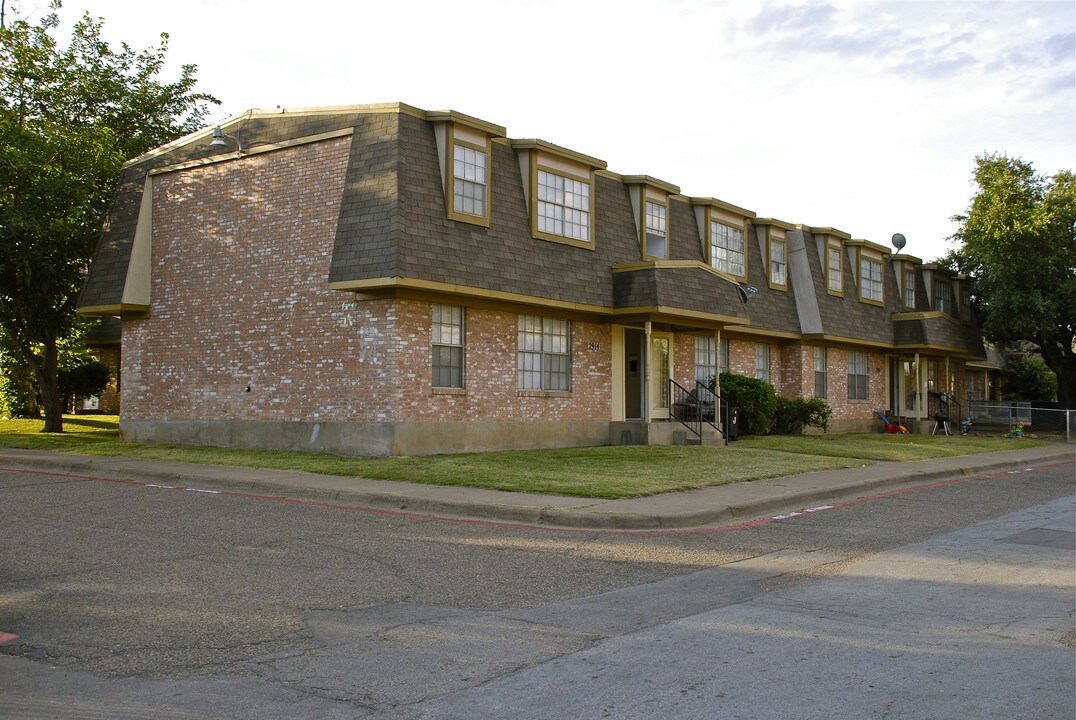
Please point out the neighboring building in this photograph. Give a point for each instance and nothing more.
(386, 280)
(104, 344)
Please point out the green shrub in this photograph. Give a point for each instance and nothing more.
(795, 414)
(755, 398)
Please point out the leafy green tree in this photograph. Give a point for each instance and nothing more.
(69, 118)
(83, 380)
(1017, 242)
(1028, 379)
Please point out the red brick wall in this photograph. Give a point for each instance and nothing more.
(239, 299)
(490, 371)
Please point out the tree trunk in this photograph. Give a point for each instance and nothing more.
(48, 381)
(1062, 360)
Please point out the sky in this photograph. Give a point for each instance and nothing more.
(861, 115)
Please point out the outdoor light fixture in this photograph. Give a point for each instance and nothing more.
(746, 293)
(219, 138)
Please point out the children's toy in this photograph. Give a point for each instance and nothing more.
(891, 427)
(1016, 431)
(965, 426)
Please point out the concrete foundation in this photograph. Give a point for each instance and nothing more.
(368, 439)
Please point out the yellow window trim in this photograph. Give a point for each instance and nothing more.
(560, 169)
(450, 176)
(769, 268)
(839, 247)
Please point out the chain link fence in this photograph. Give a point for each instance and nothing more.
(1035, 417)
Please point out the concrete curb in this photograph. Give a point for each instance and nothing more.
(673, 511)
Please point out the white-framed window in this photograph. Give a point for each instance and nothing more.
(870, 279)
(820, 367)
(778, 262)
(705, 358)
(762, 361)
(965, 304)
(656, 230)
(727, 249)
(834, 270)
(544, 353)
(469, 180)
(909, 288)
(563, 206)
(943, 296)
(857, 375)
(447, 346)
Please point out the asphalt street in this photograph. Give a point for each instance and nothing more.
(954, 600)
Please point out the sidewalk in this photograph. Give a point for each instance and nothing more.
(696, 508)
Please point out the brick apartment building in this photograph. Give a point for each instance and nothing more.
(385, 280)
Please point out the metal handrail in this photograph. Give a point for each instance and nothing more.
(720, 412)
(685, 407)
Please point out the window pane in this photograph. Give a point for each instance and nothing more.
(778, 263)
(544, 357)
(726, 248)
(705, 358)
(870, 273)
(447, 337)
(820, 372)
(469, 171)
(857, 375)
(836, 278)
(564, 206)
(762, 362)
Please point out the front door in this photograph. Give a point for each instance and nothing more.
(661, 364)
(904, 387)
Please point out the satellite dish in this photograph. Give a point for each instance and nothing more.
(746, 293)
(899, 241)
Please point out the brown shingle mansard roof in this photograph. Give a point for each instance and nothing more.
(393, 229)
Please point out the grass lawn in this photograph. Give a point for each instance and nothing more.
(599, 472)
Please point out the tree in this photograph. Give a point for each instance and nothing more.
(69, 118)
(1018, 246)
(1028, 379)
(84, 380)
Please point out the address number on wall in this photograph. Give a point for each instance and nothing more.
(594, 346)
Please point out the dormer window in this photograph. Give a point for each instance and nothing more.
(909, 288)
(943, 296)
(868, 260)
(465, 149)
(563, 206)
(656, 231)
(772, 243)
(650, 206)
(469, 181)
(727, 251)
(723, 228)
(870, 279)
(834, 269)
(778, 260)
(559, 187)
